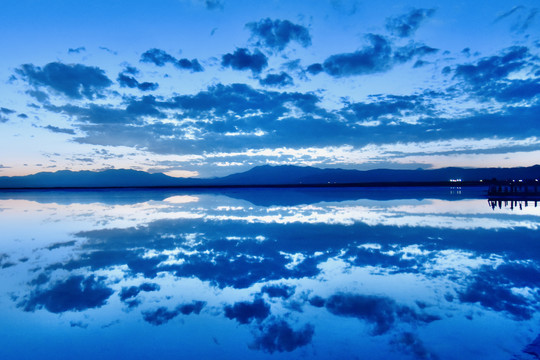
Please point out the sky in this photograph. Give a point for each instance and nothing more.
(207, 88)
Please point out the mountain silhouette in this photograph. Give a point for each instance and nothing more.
(263, 175)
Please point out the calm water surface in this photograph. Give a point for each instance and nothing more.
(260, 274)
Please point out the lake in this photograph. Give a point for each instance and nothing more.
(371, 273)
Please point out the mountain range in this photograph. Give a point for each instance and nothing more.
(266, 175)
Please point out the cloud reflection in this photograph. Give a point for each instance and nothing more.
(76, 293)
(285, 273)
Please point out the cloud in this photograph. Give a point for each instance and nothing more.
(277, 335)
(76, 293)
(349, 7)
(317, 301)
(192, 308)
(493, 68)
(509, 12)
(213, 4)
(409, 343)
(407, 24)
(59, 130)
(240, 99)
(279, 80)
(492, 289)
(277, 34)
(76, 81)
(314, 69)
(371, 59)
(96, 114)
(40, 96)
(192, 65)
(131, 70)
(128, 294)
(159, 316)
(533, 348)
(399, 106)
(162, 315)
(108, 50)
(129, 81)
(77, 50)
(242, 59)
(491, 77)
(404, 54)
(245, 312)
(4, 260)
(383, 259)
(523, 17)
(78, 324)
(159, 58)
(6, 111)
(377, 57)
(282, 291)
(512, 91)
(247, 123)
(61, 245)
(380, 311)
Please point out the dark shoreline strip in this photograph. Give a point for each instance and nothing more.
(250, 186)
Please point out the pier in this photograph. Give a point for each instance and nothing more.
(514, 189)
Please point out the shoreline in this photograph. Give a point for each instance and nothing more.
(267, 186)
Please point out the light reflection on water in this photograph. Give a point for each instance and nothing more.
(317, 273)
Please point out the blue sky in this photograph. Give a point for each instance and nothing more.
(212, 87)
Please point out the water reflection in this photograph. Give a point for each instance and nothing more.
(265, 273)
(512, 204)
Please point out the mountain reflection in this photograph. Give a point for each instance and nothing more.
(314, 277)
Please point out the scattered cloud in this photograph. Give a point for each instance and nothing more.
(61, 245)
(59, 130)
(282, 291)
(78, 324)
(5, 262)
(493, 77)
(162, 315)
(379, 56)
(242, 59)
(277, 34)
(128, 294)
(76, 81)
(159, 316)
(76, 293)
(349, 7)
(213, 4)
(278, 80)
(509, 12)
(495, 67)
(381, 312)
(125, 80)
(6, 111)
(407, 24)
(245, 312)
(522, 17)
(159, 58)
(492, 288)
(409, 343)
(108, 50)
(277, 335)
(76, 50)
(315, 69)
